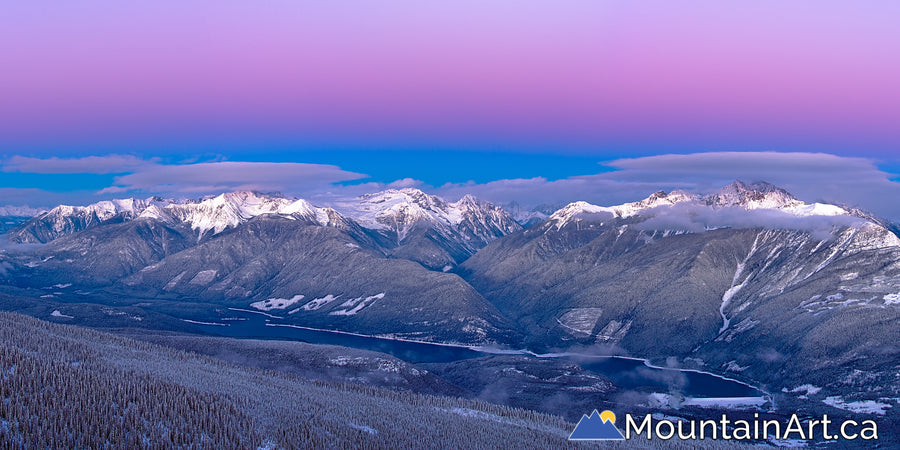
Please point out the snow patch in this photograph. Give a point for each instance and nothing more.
(197, 322)
(863, 406)
(849, 276)
(277, 303)
(364, 428)
(171, 284)
(726, 402)
(735, 287)
(356, 305)
(805, 390)
(892, 299)
(317, 303)
(580, 321)
(204, 277)
(56, 313)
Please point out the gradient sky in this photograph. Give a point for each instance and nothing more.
(439, 93)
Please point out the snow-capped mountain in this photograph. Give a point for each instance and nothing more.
(207, 216)
(758, 196)
(19, 211)
(426, 228)
(231, 209)
(399, 212)
(528, 217)
(64, 219)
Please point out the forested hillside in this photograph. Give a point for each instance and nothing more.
(69, 387)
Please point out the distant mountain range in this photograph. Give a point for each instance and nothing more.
(747, 281)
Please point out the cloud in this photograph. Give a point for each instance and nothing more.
(697, 218)
(87, 164)
(140, 176)
(215, 177)
(855, 182)
(37, 198)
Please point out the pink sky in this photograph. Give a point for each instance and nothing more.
(550, 76)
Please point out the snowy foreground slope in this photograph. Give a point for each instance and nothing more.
(127, 394)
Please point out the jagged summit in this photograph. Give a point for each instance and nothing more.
(753, 196)
(463, 226)
(213, 213)
(401, 211)
(584, 210)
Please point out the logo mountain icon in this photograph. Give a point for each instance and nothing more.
(597, 427)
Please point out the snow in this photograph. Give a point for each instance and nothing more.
(174, 281)
(62, 285)
(891, 299)
(726, 402)
(197, 322)
(580, 211)
(757, 196)
(850, 276)
(474, 413)
(317, 303)
(256, 312)
(402, 210)
(789, 443)
(277, 303)
(735, 288)
(356, 305)
(816, 209)
(268, 445)
(364, 428)
(805, 390)
(863, 406)
(399, 209)
(204, 277)
(580, 321)
(56, 313)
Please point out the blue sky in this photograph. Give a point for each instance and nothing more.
(527, 101)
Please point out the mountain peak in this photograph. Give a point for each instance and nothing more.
(754, 195)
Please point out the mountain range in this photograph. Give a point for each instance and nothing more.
(747, 281)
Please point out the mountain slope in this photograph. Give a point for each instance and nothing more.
(321, 276)
(747, 280)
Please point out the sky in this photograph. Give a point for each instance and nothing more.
(512, 100)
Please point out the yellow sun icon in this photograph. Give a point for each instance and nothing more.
(608, 416)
